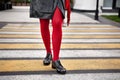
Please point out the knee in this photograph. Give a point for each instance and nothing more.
(57, 23)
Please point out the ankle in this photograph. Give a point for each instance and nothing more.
(49, 53)
(55, 59)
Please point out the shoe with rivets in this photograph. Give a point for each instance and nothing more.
(58, 66)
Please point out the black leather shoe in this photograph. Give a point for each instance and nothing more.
(58, 66)
(47, 59)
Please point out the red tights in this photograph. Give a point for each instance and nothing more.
(57, 21)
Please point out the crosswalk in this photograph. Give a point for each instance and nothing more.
(89, 48)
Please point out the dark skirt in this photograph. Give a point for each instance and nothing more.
(44, 9)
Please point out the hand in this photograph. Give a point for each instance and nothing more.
(68, 18)
(68, 21)
(68, 8)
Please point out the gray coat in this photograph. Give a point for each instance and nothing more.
(44, 9)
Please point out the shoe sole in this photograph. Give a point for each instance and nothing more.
(46, 64)
(58, 71)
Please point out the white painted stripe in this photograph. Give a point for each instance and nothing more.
(63, 53)
(64, 28)
(65, 33)
(77, 76)
(64, 40)
(88, 24)
(37, 24)
(91, 28)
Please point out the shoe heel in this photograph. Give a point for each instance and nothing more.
(53, 67)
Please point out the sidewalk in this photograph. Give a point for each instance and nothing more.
(21, 14)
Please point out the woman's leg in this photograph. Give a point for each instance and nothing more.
(44, 26)
(57, 21)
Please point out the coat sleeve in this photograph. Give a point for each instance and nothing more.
(68, 8)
